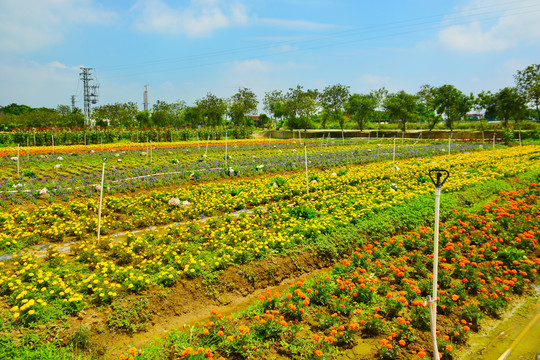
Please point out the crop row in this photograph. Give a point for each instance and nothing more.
(380, 291)
(128, 170)
(369, 187)
(105, 270)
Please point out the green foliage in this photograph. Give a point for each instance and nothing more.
(420, 317)
(303, 212)
(279, 181)
(509, 255)
(131, 317)
(80, 339)
(401, 107)
(333, 100)
(528, 84)
(361, 107)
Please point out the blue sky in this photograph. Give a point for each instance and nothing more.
(187, 48)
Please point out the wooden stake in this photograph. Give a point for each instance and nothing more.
(101, 198)
(18, 155)
(307, 177)
(394, 159)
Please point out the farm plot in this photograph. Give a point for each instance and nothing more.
(284, 217)
(76, 172)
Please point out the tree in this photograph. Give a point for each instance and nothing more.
(451, 103)
(193, 116)
(116, 114)
(243, 103)
(333, 100)
(274, 103)
(74, 119)
(427, 106)
(506, 104)
(143, 119)
(212, 109)
(380, 95)
(361, 107)
(401, 107)
(300, 106)
(63, 110)
(16, 109)
(168, 114)
(264, 120)
(528, 84)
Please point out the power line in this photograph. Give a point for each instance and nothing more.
(451, 19)
(397, 30)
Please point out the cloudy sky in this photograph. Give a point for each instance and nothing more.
(186, 48)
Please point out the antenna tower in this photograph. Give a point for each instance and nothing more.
(146, 96)
(90, 92)
(72, 103)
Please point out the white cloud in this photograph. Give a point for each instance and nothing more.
(283, 48)
(514, 26)
(57, 65)
(31, 25)
(200, 18)
(295, 24)
(258, 66)
(374, 79)
(36, 84)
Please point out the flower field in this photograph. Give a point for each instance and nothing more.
(74, 171)
(197, 230)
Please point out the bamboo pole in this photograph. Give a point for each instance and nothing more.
(101, 198)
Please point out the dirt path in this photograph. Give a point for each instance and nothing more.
(190, 301)
(515, 336)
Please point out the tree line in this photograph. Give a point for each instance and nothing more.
(300, 108)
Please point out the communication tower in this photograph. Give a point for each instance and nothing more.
(90, 92)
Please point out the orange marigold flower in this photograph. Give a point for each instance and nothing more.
(187, 351)
(401, 342)
(132, 350)
(449, 348)
(318, 353)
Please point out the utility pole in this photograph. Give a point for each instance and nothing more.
(90, 92)
(72, 103)
(146, 96)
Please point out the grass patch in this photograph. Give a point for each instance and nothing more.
(129, 315)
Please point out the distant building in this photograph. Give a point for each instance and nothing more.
(475, 117)
(256, 120)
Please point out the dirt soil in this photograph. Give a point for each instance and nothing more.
(190, 301)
